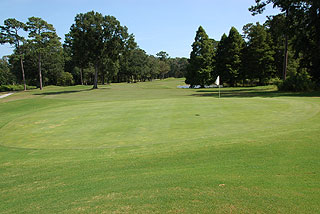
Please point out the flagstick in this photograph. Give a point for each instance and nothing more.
(217, 82)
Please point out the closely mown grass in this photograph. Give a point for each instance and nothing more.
(152, 148)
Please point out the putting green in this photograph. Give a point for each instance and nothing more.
(144, 123)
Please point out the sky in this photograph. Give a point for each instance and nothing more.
(158, 25)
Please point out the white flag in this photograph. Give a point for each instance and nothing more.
(217, 82)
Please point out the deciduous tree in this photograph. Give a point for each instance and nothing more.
(101, 37)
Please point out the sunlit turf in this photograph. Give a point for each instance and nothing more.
(153, 148)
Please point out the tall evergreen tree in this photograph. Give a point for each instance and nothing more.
(200, 63)
(10, 34)
(234, 46)
(220, 57)
(44, 38)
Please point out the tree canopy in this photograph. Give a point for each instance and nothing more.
(303, 26)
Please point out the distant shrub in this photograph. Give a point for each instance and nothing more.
(65, 79)
(296, 83)
(274, 81)
(14, 88)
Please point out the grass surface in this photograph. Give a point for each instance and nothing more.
(153, 148)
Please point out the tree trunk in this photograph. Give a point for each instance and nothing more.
(285, 59)
(81, 78)
(95, 82)
(23, 77)
(102, 79)
(39, 67)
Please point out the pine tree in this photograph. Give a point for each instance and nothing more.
(200, 63)
(43, 36)
(9, 34)
(234, 46)
(220, 63)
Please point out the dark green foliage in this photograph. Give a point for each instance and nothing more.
(65, 79)
(232, 57)
(303, 26)
(163, 56)
(98, 40)
(137, 65)
(258, 60)
(178, 67)
(85, 40)
(299, 82)
(164, 69)
(129, 46)
(44, 43)
(164, 66)
(96, 46)
(221, 56)
(200, 63)
(6, 77)
(9, 34)
(276, 27)
(4, 88)
(153, 67)
(51, 67)
(88, 75)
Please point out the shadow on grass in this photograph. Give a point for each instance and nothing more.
(254, 92)
(63, 92)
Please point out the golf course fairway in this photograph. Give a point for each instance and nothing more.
(154, 148)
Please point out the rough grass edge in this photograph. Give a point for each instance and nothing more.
(5, 88)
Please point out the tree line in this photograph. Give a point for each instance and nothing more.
(98, 49)
(286, 47)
